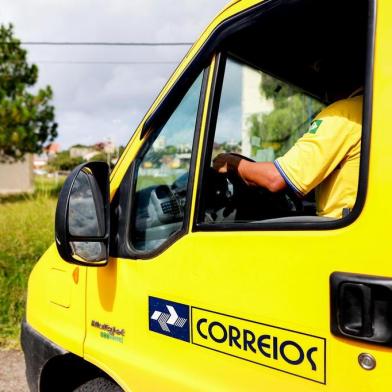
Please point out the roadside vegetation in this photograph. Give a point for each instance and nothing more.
(27, 126)
(26, 231)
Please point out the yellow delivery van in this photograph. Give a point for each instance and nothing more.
(172, 273)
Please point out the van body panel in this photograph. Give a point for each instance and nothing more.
(56, 301)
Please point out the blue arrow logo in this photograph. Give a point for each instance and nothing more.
(169, 318)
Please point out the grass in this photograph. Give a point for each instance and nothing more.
(26, 231)
(146, 181)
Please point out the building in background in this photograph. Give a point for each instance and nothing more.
(252, 102)
(80, 151)
(40, 161)
(17, 177)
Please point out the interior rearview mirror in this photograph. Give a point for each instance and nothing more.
(82, 215)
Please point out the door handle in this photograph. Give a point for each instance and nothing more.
(361, 307)
(355, 309)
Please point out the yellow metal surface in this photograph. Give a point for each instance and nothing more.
(279, 279)
(59, 287)
(56, 301)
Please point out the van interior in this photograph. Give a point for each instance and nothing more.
(318, 46)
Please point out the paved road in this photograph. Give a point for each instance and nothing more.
(12, 372)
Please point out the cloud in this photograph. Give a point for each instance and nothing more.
(95, 101)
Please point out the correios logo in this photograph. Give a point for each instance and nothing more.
(166, 319)
(266, 344)
(286, 350)
(169, 318)
(282, 349)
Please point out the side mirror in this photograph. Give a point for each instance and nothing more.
(83, 215)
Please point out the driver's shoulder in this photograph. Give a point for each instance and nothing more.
(349, 109)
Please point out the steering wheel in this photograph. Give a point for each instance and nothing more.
(229, 193)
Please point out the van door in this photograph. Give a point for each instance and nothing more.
(205, 296)
(289, 301)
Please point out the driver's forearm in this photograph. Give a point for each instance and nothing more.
(263, 174)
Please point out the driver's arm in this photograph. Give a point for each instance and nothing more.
(264, 174)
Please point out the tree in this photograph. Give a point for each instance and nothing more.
(26, 118)
(63, 161)
(292, 114)
(103, 157)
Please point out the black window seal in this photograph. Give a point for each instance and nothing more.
(212, 114)
(122, 211)
(211, 120)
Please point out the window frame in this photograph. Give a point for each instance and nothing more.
(212, 115)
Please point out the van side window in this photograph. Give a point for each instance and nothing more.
(260, 117)
(162, 176)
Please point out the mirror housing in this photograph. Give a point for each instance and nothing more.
(82, 223)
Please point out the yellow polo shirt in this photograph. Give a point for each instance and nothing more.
(327, 158)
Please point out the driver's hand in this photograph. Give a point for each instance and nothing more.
(226, 162)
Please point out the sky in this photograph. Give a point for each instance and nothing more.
(97, 101)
